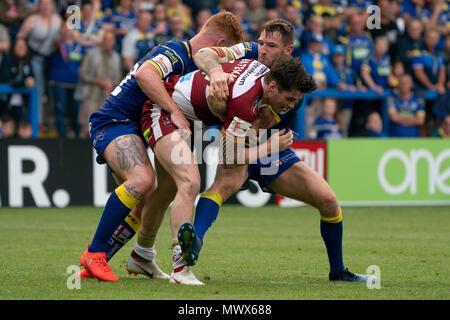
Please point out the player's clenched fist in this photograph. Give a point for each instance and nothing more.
(220, 81)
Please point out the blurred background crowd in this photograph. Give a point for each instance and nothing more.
(76, 64)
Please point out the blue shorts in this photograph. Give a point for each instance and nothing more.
(266, 170)
(104, 128)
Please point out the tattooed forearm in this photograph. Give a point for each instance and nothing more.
(128, 154)
(206, 60)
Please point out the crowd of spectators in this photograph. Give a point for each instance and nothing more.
(399, 49)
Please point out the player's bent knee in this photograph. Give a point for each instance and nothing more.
(142, 182)
(329, 206)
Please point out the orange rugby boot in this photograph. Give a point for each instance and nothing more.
(95, 263)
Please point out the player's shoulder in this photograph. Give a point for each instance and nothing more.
(244, 50)
(173, 47)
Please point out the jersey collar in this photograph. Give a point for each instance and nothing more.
(187, 44)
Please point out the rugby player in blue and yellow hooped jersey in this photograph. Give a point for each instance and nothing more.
(115, 134)
(293, 179)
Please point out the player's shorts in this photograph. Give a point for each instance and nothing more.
(155, 123)
(266, 170)
(105, 128)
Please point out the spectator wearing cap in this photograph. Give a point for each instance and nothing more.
(317, 64)
(428, 64)
(406, 110)
(138, 41)
(315, 24)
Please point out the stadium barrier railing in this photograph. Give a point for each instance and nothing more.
(33, 112)
(299, 125)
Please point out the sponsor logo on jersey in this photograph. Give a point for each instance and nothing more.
(163, 63)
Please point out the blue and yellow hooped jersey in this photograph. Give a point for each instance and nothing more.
(169, 58)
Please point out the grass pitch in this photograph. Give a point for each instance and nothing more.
(252, 254)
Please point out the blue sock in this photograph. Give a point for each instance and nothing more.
(118, 206)
(206, 212)
(332, 232)
(124, 232)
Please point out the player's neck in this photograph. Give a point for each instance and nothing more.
(201, 40)
(196, 44)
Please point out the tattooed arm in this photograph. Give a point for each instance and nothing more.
(208, 60)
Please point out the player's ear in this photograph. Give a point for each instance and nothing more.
(273, 85)
(289, 49)
(221, 42)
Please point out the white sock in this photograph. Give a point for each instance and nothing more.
(146, 253)
(177, 258)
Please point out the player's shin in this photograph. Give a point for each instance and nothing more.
(124, 232)
(331, 230)
(118, 206)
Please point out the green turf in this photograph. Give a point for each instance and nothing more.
(264, 253)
